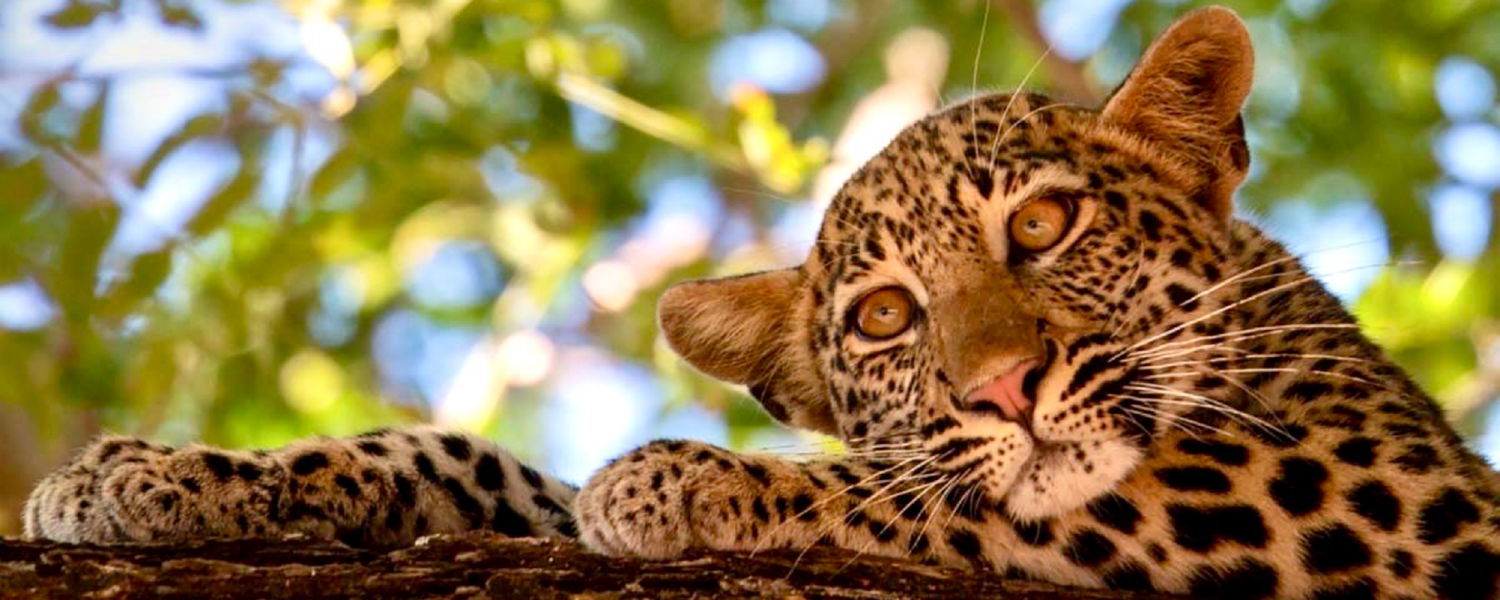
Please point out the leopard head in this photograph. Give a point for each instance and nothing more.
(983, 289)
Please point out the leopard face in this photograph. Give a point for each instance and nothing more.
(1000, 286)
(1018, 280)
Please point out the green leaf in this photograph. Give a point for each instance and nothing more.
(75, 275)
(196, 127)
(91, 123)
(333, 173)
(146, 274)
(233, 194)
(34, 116)
(178, 14)
(24, 186)
(75, 14)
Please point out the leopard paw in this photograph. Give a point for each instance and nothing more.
(122, 489)
(669, 496)
(639, 504)
(66, 505)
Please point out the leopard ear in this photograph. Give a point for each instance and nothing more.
(752, 330)
(1185, 96)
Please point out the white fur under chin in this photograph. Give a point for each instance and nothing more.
(1062, 485)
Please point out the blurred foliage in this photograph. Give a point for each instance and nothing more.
(530, 133)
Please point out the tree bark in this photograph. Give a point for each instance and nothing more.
(480, 565)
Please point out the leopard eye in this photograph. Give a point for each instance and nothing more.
(884, 313)
(1041, 223)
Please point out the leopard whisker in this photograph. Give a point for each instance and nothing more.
(836, 449)
(1205, 370)
(892, 521)
(869, 456)
(1344, 270)
(826, 527)
(1240, 277)
(868, 478)
(1227, 307)
(1132, 415)
(883, 438)
(882, 495)
(834, 496)
(1239, 335)
(1171, 374)
(1330, 374)
(834, 242)
(912, 440)
(910, 473)
(1198, 400)
(984, 27)
(962, 501)
(914, 451)
(925, 486)
(1152, 357)
(1230, 413)
(1264, 402)
(1021, 120)
(913, 446)
(1172, 419)
(1175, 353)
(942, 492)
(922, 494)
(1010, 102)
(1151, 366)
(755, 192)
(1189, 426)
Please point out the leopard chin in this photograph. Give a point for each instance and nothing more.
(1035, 478)
(1061, 477)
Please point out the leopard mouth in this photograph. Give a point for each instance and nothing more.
(997, 444)
(1002, 464)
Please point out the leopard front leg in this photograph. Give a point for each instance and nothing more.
(671, 496)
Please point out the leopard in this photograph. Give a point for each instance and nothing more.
(1049, 350)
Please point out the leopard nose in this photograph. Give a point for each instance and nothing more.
(1005, 394)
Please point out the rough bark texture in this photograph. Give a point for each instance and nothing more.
(477, 566)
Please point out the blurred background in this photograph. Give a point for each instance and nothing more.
(246, 221)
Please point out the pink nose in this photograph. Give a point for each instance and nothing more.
(1005, 392)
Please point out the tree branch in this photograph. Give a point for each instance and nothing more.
(480, 565)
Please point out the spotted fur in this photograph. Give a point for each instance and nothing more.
(383, 488)
(1203, 416)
